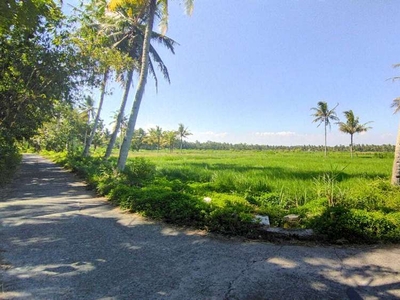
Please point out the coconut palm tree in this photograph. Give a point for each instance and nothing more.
(97, 118)
(183, 133)
(138, 139)
(170, 138)
(155, 137)
(87, 114)
(126, 28)
(324, 115)
(396, 162)
(153, 8)
(98, 48)
(352, 126)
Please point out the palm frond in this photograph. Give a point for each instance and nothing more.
(153, 73)
(163, 13)
(189, 5)
(165, 41)
(396, 105)
(160, 63)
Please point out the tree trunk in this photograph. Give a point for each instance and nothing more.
(123, 154)
(96, 120)
(396, 162)
(325, 140)
(120, 116)
(351, 145)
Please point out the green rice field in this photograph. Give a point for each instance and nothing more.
(294, 177)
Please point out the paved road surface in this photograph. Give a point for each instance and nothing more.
(58, 241)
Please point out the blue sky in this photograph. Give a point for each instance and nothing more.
(249, 71)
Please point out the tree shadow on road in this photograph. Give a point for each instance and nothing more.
(78, 256)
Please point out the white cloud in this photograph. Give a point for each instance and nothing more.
(279, 133)
(213, 134)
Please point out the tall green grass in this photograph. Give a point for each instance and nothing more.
(296, 178)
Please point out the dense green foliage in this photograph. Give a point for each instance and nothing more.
(9, 159)
(341, 198)
(38, 69)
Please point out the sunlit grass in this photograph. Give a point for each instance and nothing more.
(297, 177)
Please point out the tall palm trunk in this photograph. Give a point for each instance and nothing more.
(120, 116)
(325, 140)
(96, 120)
(181, 143)
(123, 154)
(351, 145)
(396, 162)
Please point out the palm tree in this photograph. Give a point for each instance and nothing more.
(324, 115)
(97, 46)
(97, 119)
(87, 113)
(155, 137)
(125, 27)
(183, 133)
(153, 7)
(396, 162)
(138, 139)
(123, 123)
(352, 126)
(170, 138)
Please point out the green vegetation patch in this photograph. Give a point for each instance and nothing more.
(339, 197)
(9, 160)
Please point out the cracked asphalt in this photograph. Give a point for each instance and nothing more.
(59, 241)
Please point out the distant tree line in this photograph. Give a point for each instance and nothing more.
(209, 145)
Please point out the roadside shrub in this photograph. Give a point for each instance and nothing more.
(235, 218)
(9, 160)
(138, 172)
(355, 225)
(164, 204)
(377, 195)
(105, 183)
(120, 194)
(311, 209)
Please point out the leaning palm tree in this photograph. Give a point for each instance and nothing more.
(352, 126)
(396, 162)
(126, 28)
(98, 50)
(153, 8)
(324, 115)
(183, 133)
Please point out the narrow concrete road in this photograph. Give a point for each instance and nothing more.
(57, 241)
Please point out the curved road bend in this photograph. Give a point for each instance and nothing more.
(58, 241)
